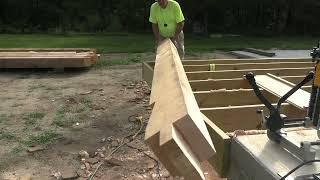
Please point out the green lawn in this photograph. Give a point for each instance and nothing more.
(135, 43)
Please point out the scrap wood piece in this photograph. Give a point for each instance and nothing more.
(176, 131)
(280, 87)
(260, 52)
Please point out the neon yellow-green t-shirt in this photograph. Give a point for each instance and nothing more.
(166, 18)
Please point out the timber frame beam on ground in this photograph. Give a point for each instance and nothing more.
(47, 58)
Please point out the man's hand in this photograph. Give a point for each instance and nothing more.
(159, 39)
(174, 40)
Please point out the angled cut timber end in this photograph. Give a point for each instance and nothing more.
(176, 131)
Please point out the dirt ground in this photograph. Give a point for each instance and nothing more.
(76, 124)
(58, 115)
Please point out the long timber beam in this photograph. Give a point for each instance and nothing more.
(230, 74)
(238, 66)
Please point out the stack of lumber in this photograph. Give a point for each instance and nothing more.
(47, 58)
(225, 100)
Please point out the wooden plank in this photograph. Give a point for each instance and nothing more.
(232, 118)
(230, 74)
(46, 49)
(147, 73)
(237, 83)
(176, 131)
(294, 79)
(220, 161)
(44, 54)
(204, 64)
(256, 60)
(215, 84)
(223, 98)
(47, 57)
(47, 62)
(238, 66)
(280, 87)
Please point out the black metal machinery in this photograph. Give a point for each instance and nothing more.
(275, 121)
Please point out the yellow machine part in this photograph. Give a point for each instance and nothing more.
(317, 76)
(212, 67)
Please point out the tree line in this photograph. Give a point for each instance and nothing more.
(255, 17)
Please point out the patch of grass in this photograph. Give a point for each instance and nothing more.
(79, 108)
(33, 117)
(62, 110)
(124, 61)
(36, 86)
(103, 43)
(4, 118)
(50, 88)
(18, 149)
(137, 43)
(17, 104)
(43, 138)
(86, 101)
(64, 120)
(7, 136)
(66, 116)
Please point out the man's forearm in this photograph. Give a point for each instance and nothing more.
(156, 33)
(179, 28)
(155, 30)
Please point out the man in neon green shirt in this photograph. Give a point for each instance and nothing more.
(167, 22)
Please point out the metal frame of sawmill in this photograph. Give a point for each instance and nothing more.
(225, 99)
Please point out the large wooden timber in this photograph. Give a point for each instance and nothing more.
(227, 102)
(176, 131)
(236, 83)
(238, 66)
(47, 58)
(229, 74)
(237, 61)
(225, 98)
